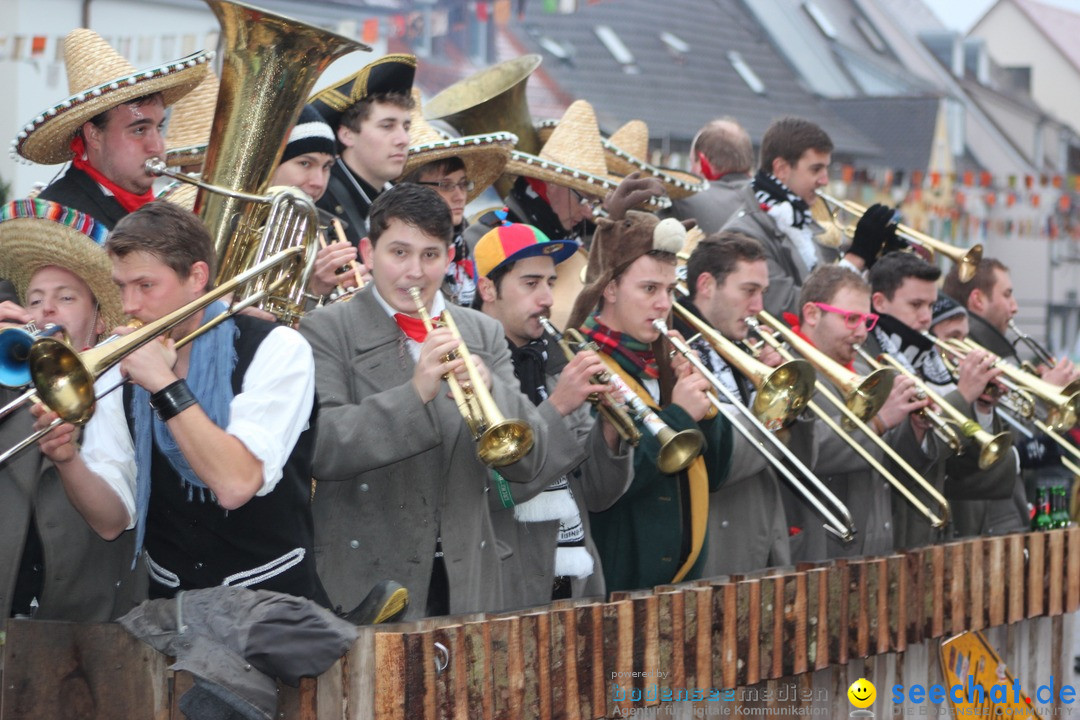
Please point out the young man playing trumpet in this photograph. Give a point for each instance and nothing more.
(990, 501)
(554, 554)
(835, 317)
(53, 566)
(656, 532)
(400, 482)
(904, 290)
(727, 276)
(207, 452)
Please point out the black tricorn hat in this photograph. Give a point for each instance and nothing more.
(389, 74)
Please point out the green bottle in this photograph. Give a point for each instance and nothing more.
(1042, 519)
(1061, 514)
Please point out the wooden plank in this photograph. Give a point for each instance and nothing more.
(619, 654)
(753, 630)
(934, 589)
(670, 629)
(817, 613)
(1036, 573)
(858, 625)
(646, 643)
(879, 624)
(743, 639)
(563, 666)
(836, 604)
(975, 562)
(996, 603)
(76, 671)
(703, 638)
(957, 595)
(729, 619)
(915, 608)
(898, 583)
(390, 658)
(593, 685)
(796, 607)
(1015, 577)
(1056, 571)
(507, 668)
(767, 637)
(451, 694)
(1072, 574)
(478, 671)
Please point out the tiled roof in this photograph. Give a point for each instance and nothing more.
(903, 127)
(1060, 26)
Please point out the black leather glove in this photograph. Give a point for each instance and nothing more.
(1039, 451)
(874, 232)
(634, 190)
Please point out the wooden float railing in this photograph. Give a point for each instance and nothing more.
(565, 660)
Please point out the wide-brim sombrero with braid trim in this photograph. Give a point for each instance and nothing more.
(484, 156)
(573, 156)
(99, 79)
(38, 233)
(626, 151)
(188, 133)
(388, 74)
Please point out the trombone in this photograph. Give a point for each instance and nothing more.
(792, 400)
(948, 419)
(64, 378)
(853, 419)
(968, 260)
(1041, 353)
(500, 442)
(605, 403)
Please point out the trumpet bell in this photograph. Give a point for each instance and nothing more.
(14, 351)
(63, 381)
(505, 443)
(678, 449)
(993, 449)
(784, 394)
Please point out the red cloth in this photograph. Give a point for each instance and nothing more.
(127, 199)
(413, 327)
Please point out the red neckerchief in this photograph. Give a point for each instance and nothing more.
(413, 327)
(127, 199)
(793, 321)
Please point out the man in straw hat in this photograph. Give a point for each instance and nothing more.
(775, 211)
(207, 452)
(656, 532)
(370, 113)
(553, 552)
(52, 564)
(400, 482)
(723, 154)
(108, 127)
(459, 169)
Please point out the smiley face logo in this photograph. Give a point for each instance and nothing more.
(862, 693)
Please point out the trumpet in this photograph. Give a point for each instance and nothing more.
(1062, 404)
(500, 442)
(950, 420)
(15, 345)
(1041, 353)
(968, 260)
(64, 378)
(843, 526)
(605, 404)
(855, 421)
(1021, 401)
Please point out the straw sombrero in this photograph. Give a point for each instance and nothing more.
(389, 74)
(484, 156)
(188, 133)
(573, 156)
(99, 79)
(626, 151)
(38, 233)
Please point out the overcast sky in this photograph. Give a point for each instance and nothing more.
(962, 14)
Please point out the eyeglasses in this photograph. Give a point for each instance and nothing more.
(589, 202)
(450, 185)
(852, 319)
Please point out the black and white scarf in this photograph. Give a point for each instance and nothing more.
(790, 213)
(916, 352)
(556, 502)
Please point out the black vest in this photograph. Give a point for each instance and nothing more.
(78, 190)
(205, 545)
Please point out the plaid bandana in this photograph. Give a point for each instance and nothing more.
(632, 355)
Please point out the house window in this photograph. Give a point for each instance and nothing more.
(820, 19)
(617, 48)
(675, 43)
(746, 73)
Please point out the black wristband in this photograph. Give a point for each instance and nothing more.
(172, 400)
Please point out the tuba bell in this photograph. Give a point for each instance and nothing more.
(269, 65)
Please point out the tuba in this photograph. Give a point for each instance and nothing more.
(269, 65)
(491, 100)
